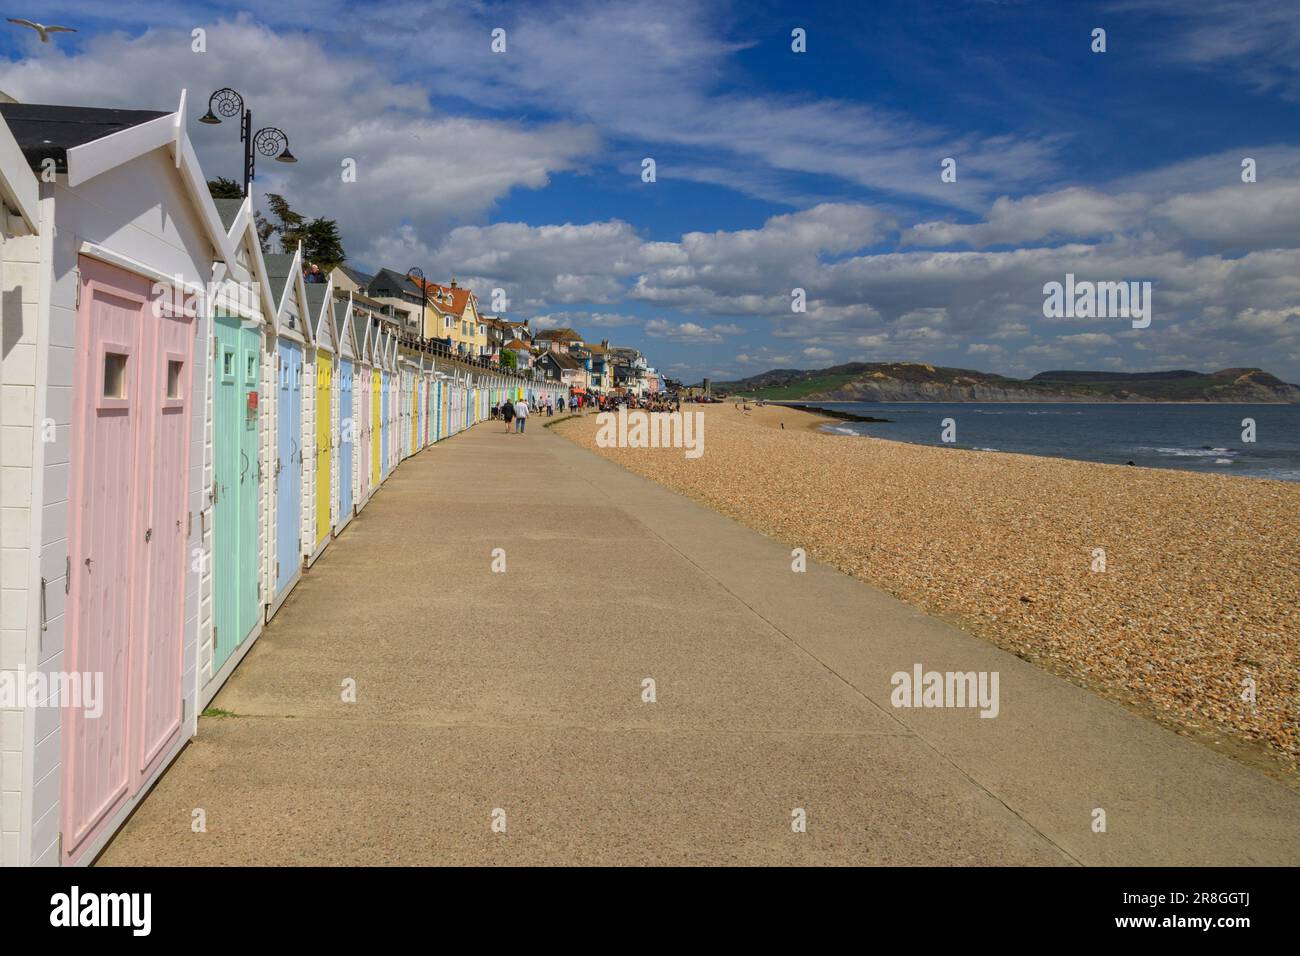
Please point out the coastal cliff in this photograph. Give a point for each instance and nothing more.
(920, 382)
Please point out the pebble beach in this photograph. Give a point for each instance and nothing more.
(1199, 599)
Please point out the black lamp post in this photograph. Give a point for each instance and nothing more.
(267, 140)
(418, 273)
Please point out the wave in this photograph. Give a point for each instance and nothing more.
(1195, 452)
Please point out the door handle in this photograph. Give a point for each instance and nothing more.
(148, 534)
(243, 468)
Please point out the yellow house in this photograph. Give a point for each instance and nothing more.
(454, 316)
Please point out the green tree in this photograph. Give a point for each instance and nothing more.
(322, 244)
(509, 359)
(223, 188)
(286, 222)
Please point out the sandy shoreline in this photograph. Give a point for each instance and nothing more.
(1200, 593)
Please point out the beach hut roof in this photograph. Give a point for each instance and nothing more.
(48, 132)
(342, 326)
(279, 267)
(242, 232)
(84, 142)
(228, 210)
(318, 312)
(360, 339)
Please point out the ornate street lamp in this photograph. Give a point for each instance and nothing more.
(418, 273)
(268, 140)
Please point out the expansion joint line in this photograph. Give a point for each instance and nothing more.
(909, 731)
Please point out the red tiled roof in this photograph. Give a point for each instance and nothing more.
(460, 296)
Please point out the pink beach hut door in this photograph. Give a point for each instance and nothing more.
(128, 477)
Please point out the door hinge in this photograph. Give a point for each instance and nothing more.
(77, 277)
(277, 570)
(215, 486)
(44, 616)
(214, 639)
(67, 573)
(214, 346)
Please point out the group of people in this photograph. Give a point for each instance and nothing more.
(516, 411)
(519, 410)
(650, 403)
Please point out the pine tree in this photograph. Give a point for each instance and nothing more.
(223, 188)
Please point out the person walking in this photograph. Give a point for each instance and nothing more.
(507, 413)
(521, 416)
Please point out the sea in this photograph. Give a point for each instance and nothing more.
(1205, 438)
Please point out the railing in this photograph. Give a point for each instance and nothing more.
(438, 350)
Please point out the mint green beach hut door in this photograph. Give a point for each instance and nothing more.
(236, 479)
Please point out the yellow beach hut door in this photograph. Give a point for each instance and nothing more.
(324, 417)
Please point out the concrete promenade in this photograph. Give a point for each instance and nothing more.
(519, 696)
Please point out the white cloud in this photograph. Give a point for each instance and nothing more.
(691, 332)
(414, 166)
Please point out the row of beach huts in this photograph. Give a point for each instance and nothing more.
(187, 426)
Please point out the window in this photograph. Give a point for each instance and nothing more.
(250, 367)
(114, 375)
(228, 364)
(174, 369)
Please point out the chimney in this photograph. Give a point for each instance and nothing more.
(453, 283)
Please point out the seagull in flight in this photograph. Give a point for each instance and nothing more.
(42, 29)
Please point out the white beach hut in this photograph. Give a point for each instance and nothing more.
(286, 474)
(110, 240)
(242, 395)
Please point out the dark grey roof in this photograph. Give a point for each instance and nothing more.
(340, 313)
(228, 209)
(279, 267)
(359, 331)
(362, 279)
(393, 285)
(50, 131)
(315, 300)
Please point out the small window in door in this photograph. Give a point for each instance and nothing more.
(174, 378)
(114, 375)
(250, 367)
(227, 365)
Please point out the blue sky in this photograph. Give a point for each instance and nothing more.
(775, 170)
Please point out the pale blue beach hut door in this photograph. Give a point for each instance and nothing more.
(288, 464)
